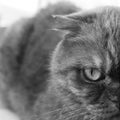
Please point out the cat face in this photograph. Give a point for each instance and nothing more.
(86, 64)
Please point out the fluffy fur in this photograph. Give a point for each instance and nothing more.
(91, 40)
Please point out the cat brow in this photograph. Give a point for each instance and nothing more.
(76, 67)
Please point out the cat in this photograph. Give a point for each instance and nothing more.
(82, 80)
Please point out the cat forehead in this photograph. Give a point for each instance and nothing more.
(103, 30)
(110, 27)
(106, 31)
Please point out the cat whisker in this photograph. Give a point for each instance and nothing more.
(90, 117)
(77, 110)
(53, 111)
(63, 109)
(93, 118)
(72, 114)
(77, 115)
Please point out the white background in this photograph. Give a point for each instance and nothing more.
(11, 10)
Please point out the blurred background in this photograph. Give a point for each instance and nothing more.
(12, 10)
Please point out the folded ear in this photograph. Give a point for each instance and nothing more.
(63, 22)
(83, 17)
(73, 22)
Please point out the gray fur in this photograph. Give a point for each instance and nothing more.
(90, 40)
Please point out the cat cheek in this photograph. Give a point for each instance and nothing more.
(78, 92)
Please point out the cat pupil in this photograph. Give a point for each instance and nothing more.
(95, 74)
(92, 72)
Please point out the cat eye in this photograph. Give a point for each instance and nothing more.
(93, 74)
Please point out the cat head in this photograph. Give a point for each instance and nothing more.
(86, 64)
